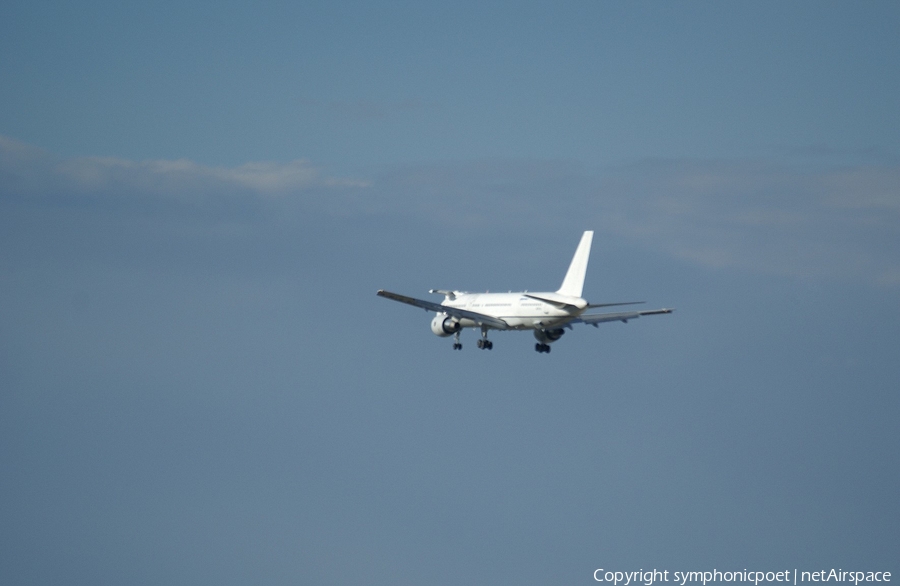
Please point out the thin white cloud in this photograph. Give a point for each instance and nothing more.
(874, 188)
(265, 178)
(802, 221)
(763, 217)
(739, 215)
(29, 169)
(23, 167)
(13, 151)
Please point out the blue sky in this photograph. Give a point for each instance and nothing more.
(198, 202)
(357, 83)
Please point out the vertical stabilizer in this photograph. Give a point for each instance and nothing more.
(574, 281)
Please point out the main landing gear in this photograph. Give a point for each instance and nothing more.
(457, 345)
(542, 347)
(484, 343)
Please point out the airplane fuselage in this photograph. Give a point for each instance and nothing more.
(518, 310)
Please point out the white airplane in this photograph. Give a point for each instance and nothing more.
(545, 313)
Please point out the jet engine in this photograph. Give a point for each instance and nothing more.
(443, 325)
(547, 336)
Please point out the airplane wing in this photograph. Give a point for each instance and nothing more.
(622, 316)
(478, 318)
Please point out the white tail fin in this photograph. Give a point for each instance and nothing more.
(574, 281)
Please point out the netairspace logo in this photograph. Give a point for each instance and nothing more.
(650, 577)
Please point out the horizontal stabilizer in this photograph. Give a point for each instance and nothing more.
(593, 305)
(560, 301)
(444, 292)
(622, 316)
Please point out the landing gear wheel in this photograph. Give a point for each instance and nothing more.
(484, 343)
(542, 348)
(457, 346)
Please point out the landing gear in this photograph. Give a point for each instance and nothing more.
(456, 343)
(542, 348)
(484, 343)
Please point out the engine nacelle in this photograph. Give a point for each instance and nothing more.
(548, 336)
(443, 325)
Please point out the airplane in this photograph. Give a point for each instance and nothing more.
(549, 314)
